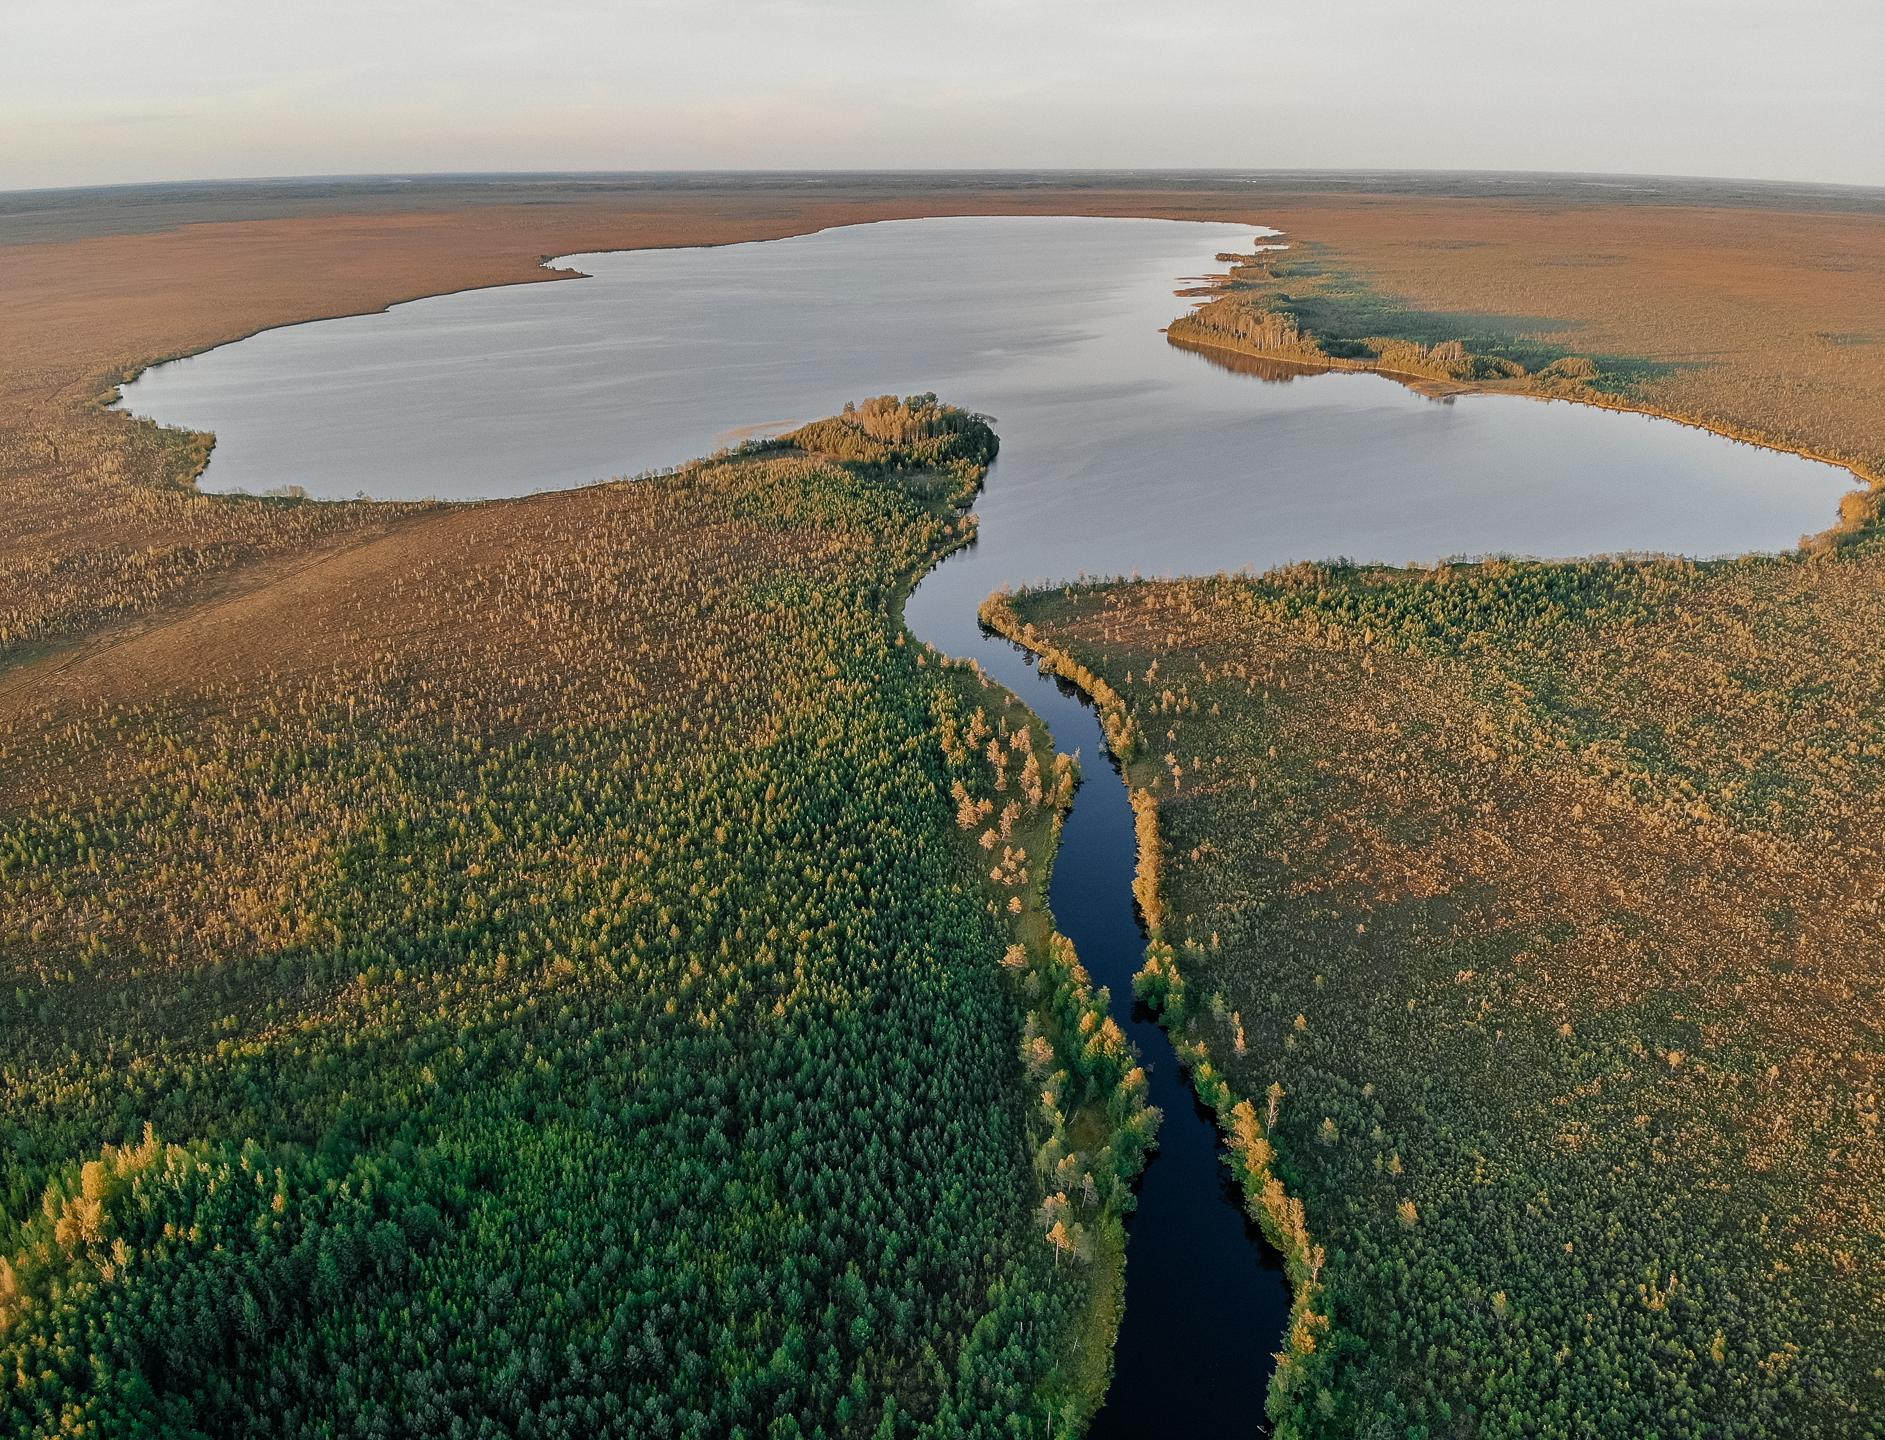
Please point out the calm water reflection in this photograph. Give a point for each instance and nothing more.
(1129, 451)
(1119, 452)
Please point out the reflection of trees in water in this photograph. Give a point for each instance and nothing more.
(1261, 367)
(1277, 372)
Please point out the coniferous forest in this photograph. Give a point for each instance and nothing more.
(1519, 922)
(597, 1017)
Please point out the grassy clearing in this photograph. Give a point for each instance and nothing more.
(1532, 910)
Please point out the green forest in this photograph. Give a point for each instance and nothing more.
(585, 1005)
(1520, 921)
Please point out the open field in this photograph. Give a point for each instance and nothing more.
(1526, 918)
(299, 796)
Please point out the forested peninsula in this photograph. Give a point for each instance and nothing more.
(642, 1019)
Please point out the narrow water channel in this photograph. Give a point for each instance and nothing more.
(1206, 1300)
(1119, 452)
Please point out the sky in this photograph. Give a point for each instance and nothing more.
(130, 90)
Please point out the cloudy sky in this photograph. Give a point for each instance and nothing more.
(184, 89)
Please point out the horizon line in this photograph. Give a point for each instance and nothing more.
(673, 172)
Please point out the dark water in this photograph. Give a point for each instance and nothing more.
(1119, 452)
(1206, 1301)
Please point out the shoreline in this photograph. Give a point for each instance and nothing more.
(110, 399)
(544, 271)
(1597, 400)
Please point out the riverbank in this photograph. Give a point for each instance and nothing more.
(1095, 1128)
(578, 911)
(1160, 984)
(1094, 1117)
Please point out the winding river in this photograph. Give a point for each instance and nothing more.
(1119, 453)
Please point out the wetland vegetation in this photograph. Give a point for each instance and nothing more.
(1734, 319)
(558, 953)
(627, 1014)
(1279, 303)
(1520, 921)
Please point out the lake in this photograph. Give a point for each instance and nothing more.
(1119, 453)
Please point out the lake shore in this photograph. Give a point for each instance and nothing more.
(1439, 387)
(89, 303)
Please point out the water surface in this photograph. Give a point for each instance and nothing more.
(1119, 453)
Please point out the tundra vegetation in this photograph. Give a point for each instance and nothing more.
(1521, 923)
(630, 1012)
